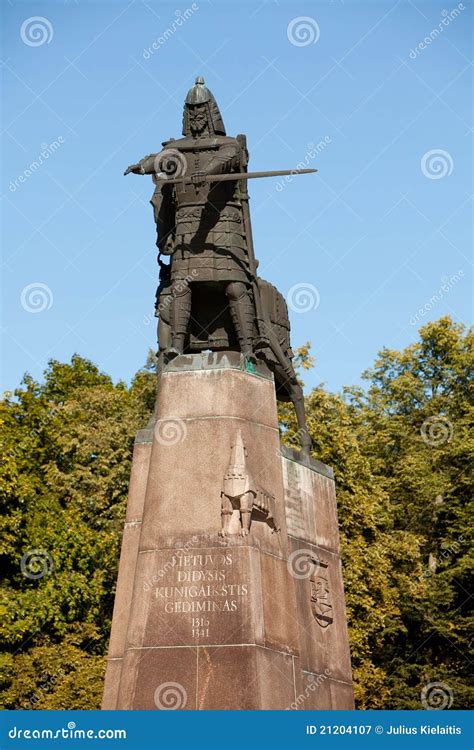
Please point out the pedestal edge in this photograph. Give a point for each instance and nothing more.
(292, 454)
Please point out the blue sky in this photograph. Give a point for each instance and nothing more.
(380, 233)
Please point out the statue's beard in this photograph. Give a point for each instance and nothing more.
(198, 126)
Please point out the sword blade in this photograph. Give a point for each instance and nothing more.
(227, 176)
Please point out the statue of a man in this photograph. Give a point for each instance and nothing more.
(199, 223)
(203, 223)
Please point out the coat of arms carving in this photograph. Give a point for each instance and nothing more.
(321, 604)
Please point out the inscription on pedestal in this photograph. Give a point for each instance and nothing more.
(204, 596)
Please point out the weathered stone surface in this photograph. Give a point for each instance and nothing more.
(321, 693)
(276, 675)
(314, 562)
(203, 621)
(322, 623)
(199, 393)
(227, 678)
(199, 595)
(310, 501)
(240, 677)
(128, 560)
(249, 678)
(342, 695)
(159, 678)
(279, 605)
(293, 454)
(199, 415)
(124, 591)
(139, 476)
(111, 684)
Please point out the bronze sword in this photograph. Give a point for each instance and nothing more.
(227, 176)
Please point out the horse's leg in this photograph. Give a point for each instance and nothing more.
(296, 394)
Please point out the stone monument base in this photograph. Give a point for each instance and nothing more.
(229, 593)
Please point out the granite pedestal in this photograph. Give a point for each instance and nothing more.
(208, 616)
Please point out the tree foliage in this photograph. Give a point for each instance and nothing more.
(67, 446)
(402, 455)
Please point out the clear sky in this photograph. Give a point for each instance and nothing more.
(380, 233)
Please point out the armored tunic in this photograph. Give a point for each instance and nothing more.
(205, 221)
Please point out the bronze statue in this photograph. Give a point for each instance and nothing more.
(210, 296)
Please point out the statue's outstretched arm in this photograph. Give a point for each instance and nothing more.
(144, 166)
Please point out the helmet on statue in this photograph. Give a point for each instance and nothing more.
(201, 112)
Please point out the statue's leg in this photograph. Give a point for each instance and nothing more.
(180, 311)
(164, 335)
(226, 514)
(242, 314)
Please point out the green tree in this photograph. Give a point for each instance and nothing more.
(67, 445)
(413, 424)
(381, 566)
(402, 455)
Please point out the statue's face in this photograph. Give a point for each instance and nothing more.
(198, 119)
